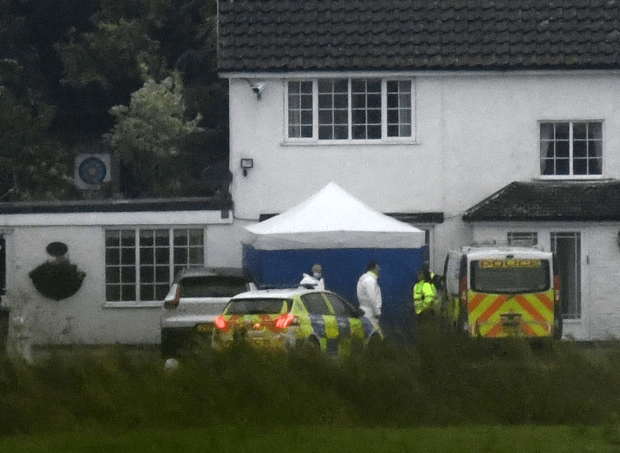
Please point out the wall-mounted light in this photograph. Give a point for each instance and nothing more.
(246, 164)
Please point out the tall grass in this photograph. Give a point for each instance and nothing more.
(442, 380)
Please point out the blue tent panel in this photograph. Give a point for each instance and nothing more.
(341, 270)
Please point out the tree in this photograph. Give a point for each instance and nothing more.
(65, 63)
(149, 134)
(112, 56)
(32, 166)
(141, 42)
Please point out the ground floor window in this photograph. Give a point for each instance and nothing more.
(524, 239)
(141, 262)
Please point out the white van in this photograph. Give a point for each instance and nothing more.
(495, 292)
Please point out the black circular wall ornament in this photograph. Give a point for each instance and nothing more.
(57, 249)
(57, 278)
(92, 170)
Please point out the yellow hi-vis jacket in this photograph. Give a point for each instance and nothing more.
(424, 297)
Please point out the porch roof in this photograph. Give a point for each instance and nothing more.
(541, 200)
(214, 203)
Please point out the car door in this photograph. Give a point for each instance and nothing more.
(350, 326)
(323, 321)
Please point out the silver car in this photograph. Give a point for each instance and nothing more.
(197, 296)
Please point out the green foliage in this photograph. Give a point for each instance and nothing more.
(440, 382)
(66, 63)
(113, 56)
(31, 164)
(324, 439)
(150, 131)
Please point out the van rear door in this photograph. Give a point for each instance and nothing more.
(510, 297)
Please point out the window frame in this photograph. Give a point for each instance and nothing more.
(314, 139)
(522, 238)
(571, 156)
(347, 310)
(309, 301)
(138, 267)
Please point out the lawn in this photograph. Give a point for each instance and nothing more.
(475, 439)
(444, 394)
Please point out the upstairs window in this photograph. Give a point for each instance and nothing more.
(571, 148)
(300, 109)
(350, 109)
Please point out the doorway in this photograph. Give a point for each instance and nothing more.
(567, 247)
(2, 266)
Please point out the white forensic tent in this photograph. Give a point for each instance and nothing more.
(332, 218)
(342, 234)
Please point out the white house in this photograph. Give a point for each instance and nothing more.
(476, 121)
(127, 252)
(473, 120)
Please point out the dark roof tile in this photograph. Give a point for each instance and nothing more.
(550, 201)
(283, 35)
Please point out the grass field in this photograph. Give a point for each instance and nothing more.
(445, 394)
(475, 439)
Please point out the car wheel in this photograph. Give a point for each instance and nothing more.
(168, 346)
(374, 341)
(312, 344)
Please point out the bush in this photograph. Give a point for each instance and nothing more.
(443, 380)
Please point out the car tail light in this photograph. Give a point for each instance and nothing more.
(286, 320)
(174, 303)
(220, 322)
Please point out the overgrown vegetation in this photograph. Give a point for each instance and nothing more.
(75, 73)
(441, 381)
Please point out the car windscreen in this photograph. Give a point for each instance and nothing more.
(511, 276)
(212, 286)
(258, 306)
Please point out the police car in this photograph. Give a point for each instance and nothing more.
(284, 318)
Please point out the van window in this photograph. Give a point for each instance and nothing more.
(496, 276)
(452, 271)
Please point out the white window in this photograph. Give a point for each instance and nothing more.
(141, 263)
(571, 148)
(300, 109)
(522, 239)
(349, 109)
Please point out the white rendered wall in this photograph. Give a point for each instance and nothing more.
(86, 317)
(476, 133)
